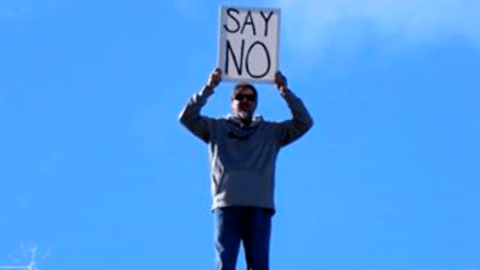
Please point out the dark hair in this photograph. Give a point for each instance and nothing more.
(239, 86)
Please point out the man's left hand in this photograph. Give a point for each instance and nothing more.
(281, 82)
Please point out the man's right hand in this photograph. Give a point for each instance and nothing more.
(214, 78)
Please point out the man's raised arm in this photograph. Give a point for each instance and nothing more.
(190, 117)
(290, 130)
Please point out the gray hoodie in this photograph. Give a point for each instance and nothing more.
(242, 158)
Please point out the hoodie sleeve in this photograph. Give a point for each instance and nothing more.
(190, 117)
(290, 130)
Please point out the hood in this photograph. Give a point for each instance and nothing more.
(257, 119)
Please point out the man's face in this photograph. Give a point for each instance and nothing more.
(244, 103)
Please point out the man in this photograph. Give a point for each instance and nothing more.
(243, 151)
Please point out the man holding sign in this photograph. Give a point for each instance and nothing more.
(243, 151)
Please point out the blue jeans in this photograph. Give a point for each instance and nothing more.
(252, 226)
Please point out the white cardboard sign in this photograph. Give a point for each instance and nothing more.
(248, 49)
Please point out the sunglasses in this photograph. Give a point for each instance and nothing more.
(241, 96)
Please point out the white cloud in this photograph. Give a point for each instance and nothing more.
(29, 259)
(317, 25)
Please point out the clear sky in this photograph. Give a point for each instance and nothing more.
(97, 173)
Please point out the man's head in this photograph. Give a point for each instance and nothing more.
(244, 100)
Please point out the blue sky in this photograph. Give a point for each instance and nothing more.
(96, 171)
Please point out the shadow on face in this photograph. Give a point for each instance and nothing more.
(244, 102)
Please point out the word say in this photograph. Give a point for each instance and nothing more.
(248, 49)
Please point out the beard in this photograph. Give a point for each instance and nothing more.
(244, 113)
(244, 110)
